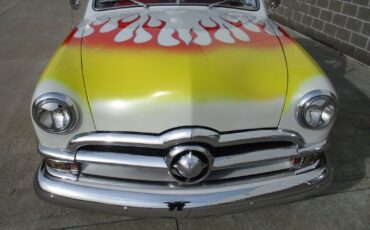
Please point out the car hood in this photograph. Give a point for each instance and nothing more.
(153, 70)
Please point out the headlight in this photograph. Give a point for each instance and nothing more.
(55, 113)
(317, 110)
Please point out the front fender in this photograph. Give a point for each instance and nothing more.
(64, 75)
(304, 76)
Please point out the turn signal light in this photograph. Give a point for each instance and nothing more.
(299, 162)
(63, 166)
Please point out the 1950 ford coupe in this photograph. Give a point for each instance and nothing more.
(180, 108)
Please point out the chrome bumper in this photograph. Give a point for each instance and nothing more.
(180, 203)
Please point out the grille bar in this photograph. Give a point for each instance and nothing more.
(123, 159)
(152, 168)
(183, 135)
(157, 162)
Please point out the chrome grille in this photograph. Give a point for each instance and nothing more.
(141, 157)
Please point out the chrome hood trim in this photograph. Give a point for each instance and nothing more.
(182, 135)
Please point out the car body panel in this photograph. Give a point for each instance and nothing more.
(154, 70)
(64, 75)
(304, 76)
(163, 104)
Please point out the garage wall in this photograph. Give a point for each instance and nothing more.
(341, 24)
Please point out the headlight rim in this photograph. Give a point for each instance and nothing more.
(63, 100)
(308, 99)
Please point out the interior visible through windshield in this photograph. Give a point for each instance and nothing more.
(108, 4)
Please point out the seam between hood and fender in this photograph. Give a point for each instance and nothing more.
(286, 68)
(84, 82)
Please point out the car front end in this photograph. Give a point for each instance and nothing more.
(181, 111)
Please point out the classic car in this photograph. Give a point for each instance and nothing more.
(181, 108)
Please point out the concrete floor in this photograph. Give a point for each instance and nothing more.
(31, 30)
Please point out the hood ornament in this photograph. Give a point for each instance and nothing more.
(189, 164)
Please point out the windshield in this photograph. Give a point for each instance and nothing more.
(109, 4)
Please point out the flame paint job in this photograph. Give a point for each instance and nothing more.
(148, 71)
(200, 59)
(178, 28)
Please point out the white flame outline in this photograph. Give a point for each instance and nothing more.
(184, 23)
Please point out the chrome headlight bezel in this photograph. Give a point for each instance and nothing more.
(309, 100)
(66, 104)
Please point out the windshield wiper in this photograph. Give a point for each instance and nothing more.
(224, 1)
(133, 1)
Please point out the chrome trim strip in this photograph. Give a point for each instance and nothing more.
(308, 168)
(53, 153)
(59, 174)
(122, 159)
(182, 135)
(320, 147)
(253, 157)
(139, 175)
(135, 186)
(261, 136)
(157, 162)
(202, 198)
(153, 168)
(157, 175)
(253, 169)
(179, 136)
